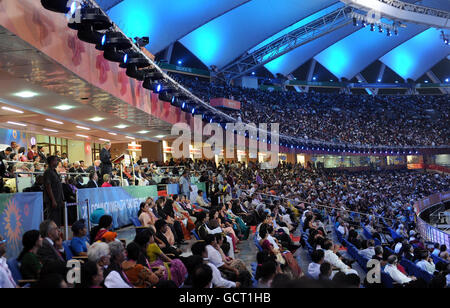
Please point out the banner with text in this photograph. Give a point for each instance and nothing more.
(225, 103)
(122, 203)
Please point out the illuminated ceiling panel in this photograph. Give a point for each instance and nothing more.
(290, 61)
(166, 21)
(352, 54)
(230, 35)
(416, 56)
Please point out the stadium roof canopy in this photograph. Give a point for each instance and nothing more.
(218, 32)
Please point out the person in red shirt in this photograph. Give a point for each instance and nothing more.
(32, 153)
(106, 181)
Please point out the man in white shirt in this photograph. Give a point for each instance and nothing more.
(396, 275)
(6, 279)
(369, 252)
(426, 263)
(199, 249)
(214, 256)
(201, 202)
(317, 257)
(334, 260)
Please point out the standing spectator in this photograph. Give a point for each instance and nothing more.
(32, 153)
(53, 192)
(6, 279)
(41, 154)
(105, 158)
(185, 186)
(4, 155)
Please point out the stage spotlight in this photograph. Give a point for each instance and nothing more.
(166, 97)
(135, 59)
(93, 17)
(372, 27)
(113, 55)
(380, 29)
(155, 75)
(355, 22)
(134, 72)
(86, 33)
(395, 31)
(364, 24)
(114, 39)
(388, 32)
(59, 6)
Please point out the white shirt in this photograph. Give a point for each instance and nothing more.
(334, 260)
(368, 252)
(6, 279)
(214, 256)
(314, 270)
(396, 275)
(426, 266)
(397, 248)
(218, 281)
(115, 281)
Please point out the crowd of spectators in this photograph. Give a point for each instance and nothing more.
(238, 197)
(390, 120)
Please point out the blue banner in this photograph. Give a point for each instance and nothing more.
(122, 203)
(173, 189)
(19, 213)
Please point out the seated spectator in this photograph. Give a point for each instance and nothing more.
(202, 277)
(332, 258)
(200, 201)
(99, 253)
(218, 281)
(6, 279)
(106, 181)
(444, 253)
(114, 275)
(265, 274)
(91, 276)
(93, 178)
(79, 243)
(426, 262)
(317, 258)
(396, 275)
(30, 266)
(369, 252)
(436, 249)
(326, 271)
(138, 275)
(52, 246)
(104, 224)
(167, 244)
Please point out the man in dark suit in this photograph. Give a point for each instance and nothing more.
(4, 155)
(93, 179)
(52, 249)
(105, 158)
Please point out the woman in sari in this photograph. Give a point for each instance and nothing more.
(244, 229)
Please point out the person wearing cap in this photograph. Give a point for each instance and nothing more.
(79, 243)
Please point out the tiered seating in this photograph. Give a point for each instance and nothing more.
(414, 270)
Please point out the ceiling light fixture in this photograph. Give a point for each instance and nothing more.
(50, 130)
(64, 107)
(83, 136)
(16, 123)
(82, 127)
(26, 94)
(12, 110)
(96, 119)
(54, 121)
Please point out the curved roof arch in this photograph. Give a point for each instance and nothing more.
(355, 52)
(166, 21)
(227, 37)
(416, 56)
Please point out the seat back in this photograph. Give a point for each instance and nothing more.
(68, 250)
(14, 267)
(194, 233)
(255, 240)
(136, 222)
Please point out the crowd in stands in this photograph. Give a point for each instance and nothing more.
(277, 204)
(400, 120)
